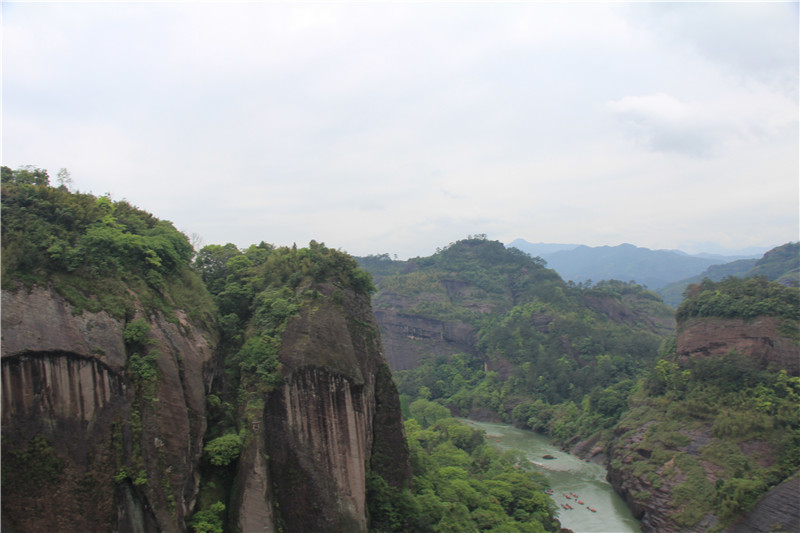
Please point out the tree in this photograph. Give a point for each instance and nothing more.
(222, 450)
(27, 174)
(64, 179)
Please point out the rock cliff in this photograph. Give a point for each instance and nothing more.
(766, 339)
(693, 441)
(325, 427)
(778, 510)
(406, 337)
(112, 454)
(115, 459)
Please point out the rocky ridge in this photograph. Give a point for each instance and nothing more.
(651, 494)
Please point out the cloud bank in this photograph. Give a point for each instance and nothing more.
(401, 127)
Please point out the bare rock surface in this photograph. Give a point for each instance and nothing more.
(777, 510)
(319, 430)
(406, 336)
(761, 338)
(65, 380)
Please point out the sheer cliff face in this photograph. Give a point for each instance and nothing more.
(319, 430)
(114, 459)
(764, 338)
(87, 446)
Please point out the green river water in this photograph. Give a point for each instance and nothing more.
(568, 475)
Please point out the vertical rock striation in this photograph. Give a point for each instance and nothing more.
(114, 459)
(115, 453)
(319, 430)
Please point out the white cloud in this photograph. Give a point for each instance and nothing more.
(402, 127)
(665, 123)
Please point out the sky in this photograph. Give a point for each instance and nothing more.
(401, 127)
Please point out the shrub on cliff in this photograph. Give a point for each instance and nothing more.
(209, 520)
(223, 450)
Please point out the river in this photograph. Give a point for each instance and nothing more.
(568, 475)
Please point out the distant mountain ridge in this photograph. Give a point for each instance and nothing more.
(781, 264)
(626, 262)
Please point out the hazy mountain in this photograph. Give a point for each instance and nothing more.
(672, 293)
(540, 249)
(781, 264)
(626, 262)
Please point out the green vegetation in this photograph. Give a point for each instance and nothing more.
(570, 360)
(740, 298)
(33, 465)
(209, 520)
(460, 483)
(257, 291)
(223, 450)
(781, 264)
(464, 280)
(551, 356)
(747, 420)
(95, 251)
(575, 361)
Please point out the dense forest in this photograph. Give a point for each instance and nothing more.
(461, 483)
(552, 356)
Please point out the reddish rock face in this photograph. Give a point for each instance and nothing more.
(67, 397)
(763, 338)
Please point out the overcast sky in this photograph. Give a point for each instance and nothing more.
(401, 127)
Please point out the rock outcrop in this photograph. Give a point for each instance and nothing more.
(114, 459)
(336, 416)
(651, 492)
(112, 454)
(650, 497)
(766, 339)
(777, 510)
(406, 336)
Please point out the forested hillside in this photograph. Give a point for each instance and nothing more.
(87, 245)
(546, 354)
(695, 428)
